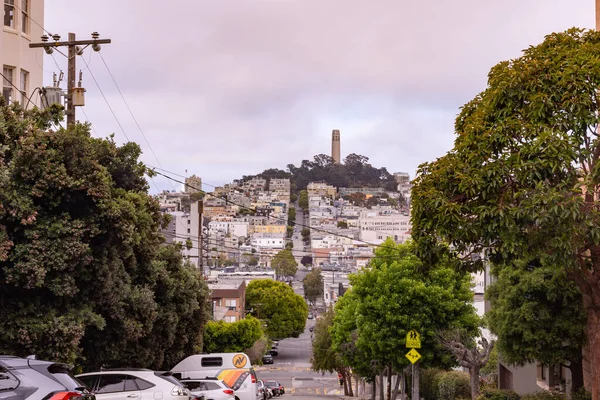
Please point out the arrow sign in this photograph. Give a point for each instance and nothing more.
(413, 356)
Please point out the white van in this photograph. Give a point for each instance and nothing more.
(234, 369)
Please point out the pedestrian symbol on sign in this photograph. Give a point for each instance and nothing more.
(413, 339)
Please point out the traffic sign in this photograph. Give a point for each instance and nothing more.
(413, 340)
(413, 356)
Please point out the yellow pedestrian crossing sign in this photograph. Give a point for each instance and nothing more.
(413, 356)
(413, 340)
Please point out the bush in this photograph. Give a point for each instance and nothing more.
(582, 394)
(453, 385)
(429, 383)
(498, 394)
(544, 396)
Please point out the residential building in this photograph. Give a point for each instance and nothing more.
(184, 226)
(22, 67)
(320, 189)
(278, 229)
(365, 190)
(229, 301)
(378, 224)
(193, 184)
(268, 241)
(279, 184)
(173, 200)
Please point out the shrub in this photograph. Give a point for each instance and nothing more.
(582, 394)
(498, 394)
(429, 383)
(544, 396)
(453, 385)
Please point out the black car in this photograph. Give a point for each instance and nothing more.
(267, 359)
(28, 378)
(274, 352)
(276, 387)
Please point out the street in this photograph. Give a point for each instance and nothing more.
(292, 369)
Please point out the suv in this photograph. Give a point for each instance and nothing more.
(210, 388)
(28, 378)
(141, 384)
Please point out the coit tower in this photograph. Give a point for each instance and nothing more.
(335, 146)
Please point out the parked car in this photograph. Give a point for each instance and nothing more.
(267, 359)
(274, 352)
(142, 384)
(210, 388)
(310, 315)
(312, 328)
(276, 387)
(264, 393)
(28, 378)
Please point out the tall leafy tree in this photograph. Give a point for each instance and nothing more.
(313, 285)
(284, 263)
(524, 173)
(83, 275)
(284, 311)
(538, 315)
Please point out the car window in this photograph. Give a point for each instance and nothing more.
(111, 383)
(142, 384)
(8, 381)
(212, 386)
(130, 383)
(88, 381)
(194, 385)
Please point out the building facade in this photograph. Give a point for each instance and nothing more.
(193, 184)
(22, 67)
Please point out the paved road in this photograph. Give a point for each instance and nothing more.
(293, 370)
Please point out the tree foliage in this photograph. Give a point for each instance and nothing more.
(284, 311)
(231, 337)
(524, 172)
(313, 285)
(284, 263)
(306, 260)
(394, 296)
(84, 276)
(303, 200)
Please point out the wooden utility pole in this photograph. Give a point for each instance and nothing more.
(598, 15)
(73, 51)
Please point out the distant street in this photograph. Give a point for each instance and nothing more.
(292, 369)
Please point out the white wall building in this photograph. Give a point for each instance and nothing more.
(268, 241)
(21, 66)
(377, 225)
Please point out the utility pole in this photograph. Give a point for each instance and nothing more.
(73, 51)
(200, 237)
(598, 15)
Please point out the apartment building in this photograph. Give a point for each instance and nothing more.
(320, 189)
(377, 225)
(268, 241)
(22, 67)
(184, 226)
(280, 184)
(229, 301)
(364, 190)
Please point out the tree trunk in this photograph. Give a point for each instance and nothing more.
(381, 390)
(356, 392)
(389, 382)
(415, 380)
(593, 331)
(348, 379)
(396, 386)
(576, 368)
(374, 388)
(474, 372)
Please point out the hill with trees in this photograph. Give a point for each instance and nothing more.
(354, 171)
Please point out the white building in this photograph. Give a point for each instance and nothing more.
(377, 225)
(182, 227)
(279, 184)
(268, 241)
(22, 66)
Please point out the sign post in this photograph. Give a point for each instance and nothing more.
(413, 341)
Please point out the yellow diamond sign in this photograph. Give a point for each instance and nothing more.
(413, 340)
(413, 356)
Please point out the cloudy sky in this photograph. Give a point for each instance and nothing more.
(227, 88)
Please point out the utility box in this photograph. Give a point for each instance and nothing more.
(51, 95)
(78, 97)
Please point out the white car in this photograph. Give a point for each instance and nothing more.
(211, 389)
(127, 384)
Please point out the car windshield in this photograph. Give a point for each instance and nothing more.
(271, 384)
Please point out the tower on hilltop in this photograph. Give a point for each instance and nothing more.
(335, 146)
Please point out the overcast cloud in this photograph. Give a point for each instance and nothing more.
(224, 88)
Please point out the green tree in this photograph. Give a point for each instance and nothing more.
(523, 173)
(358, 199)
(284, 311)
(398, 294)
(306, 260)
(303, 200)
(289, 246)
(305, 232)
(291, 216)
(342, 224)
(84, 275)
(324, 357)
(538, 315)
(231, 337)
(253, 261)
(284, 263)
(313, 285)
(289, 231)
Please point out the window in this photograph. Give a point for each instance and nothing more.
(24, 16)
(7, 83)
(8, 381)
(23, 85)
(212, 386)
(89, 381)
(211, 362)
(231, 302)
(142, 384)
(111, 383)
(230, 318)
(9, 13)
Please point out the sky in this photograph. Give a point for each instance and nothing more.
(222, 89)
